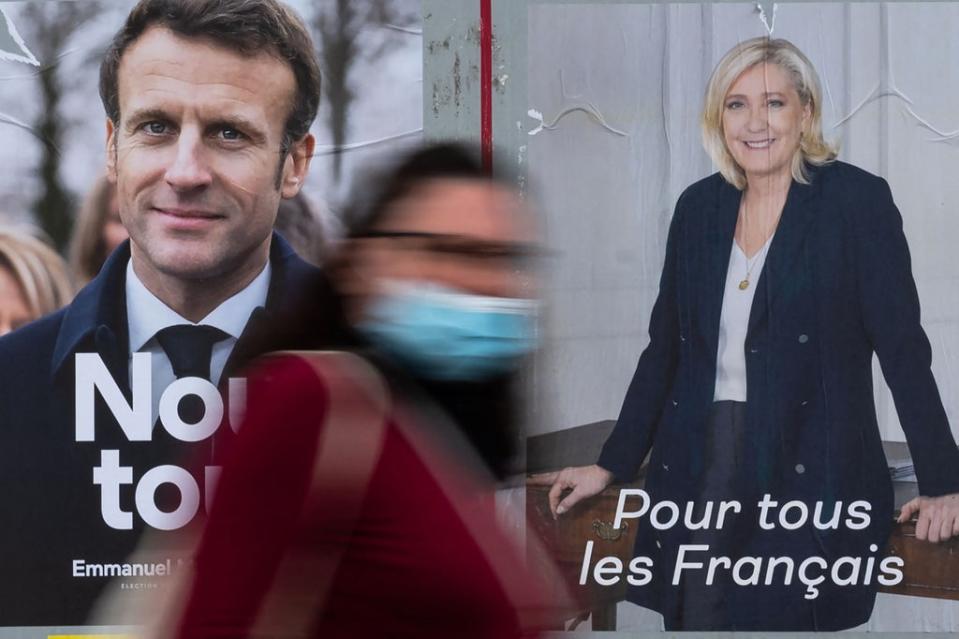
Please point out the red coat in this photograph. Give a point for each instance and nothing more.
(412, 564)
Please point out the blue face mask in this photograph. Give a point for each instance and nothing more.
(442, 333)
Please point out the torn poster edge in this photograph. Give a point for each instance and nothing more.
(28, 58)
(330, 149)
(587, 108)
(769, 24)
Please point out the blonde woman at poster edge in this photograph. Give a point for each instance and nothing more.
(33, 279)
(784, 273)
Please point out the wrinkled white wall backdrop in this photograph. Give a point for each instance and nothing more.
(891, 98)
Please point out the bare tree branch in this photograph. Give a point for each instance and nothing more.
(339, 25)
(47, 28)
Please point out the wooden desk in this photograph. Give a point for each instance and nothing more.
(930, 570)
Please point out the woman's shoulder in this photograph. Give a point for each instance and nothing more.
(293, 391)
(862, 200)
(297, 376)
(706, 188)
(849, 178)
(701, 197)
(282, 393)
(830, 172)
(284, 375)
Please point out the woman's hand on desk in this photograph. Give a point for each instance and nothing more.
(938, 516)
(583, 481)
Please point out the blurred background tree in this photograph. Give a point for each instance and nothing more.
(47, 29)
(348, 31)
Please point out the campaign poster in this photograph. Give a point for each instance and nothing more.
(105, 479)
(609, 114)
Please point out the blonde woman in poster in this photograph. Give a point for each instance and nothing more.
(784, 273)
(33, 280)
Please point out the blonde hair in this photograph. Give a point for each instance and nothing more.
(88, 248)
(813, 149)
(40, 272)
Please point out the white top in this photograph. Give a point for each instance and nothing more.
(734, 322)
(147, 315)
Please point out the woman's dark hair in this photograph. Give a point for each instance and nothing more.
(440, 160)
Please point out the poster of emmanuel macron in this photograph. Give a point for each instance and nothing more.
(115, 411)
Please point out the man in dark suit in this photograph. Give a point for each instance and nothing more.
(208, 107)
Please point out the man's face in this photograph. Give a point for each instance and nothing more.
(195, 156)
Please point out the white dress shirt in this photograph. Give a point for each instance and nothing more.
(147, 315)
(734, 322)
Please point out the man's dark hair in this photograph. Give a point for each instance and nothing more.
(248, 27)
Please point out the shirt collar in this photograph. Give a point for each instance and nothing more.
(147, 314)
(98, 312)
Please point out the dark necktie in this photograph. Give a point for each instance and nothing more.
(190, 349)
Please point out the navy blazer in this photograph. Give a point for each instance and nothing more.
(836, 287)
(51, 506)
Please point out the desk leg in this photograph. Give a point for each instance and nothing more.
(604, 617)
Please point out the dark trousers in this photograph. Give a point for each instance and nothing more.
(705, 607)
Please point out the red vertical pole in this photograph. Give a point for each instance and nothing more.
(486, 84)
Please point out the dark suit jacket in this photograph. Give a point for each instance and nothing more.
(836, 287)
(51, 507)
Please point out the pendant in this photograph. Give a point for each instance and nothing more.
(744, 285)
